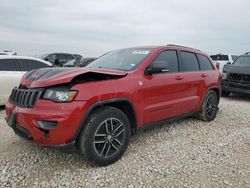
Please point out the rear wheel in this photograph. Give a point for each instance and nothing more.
(105, 137)
(209, 107)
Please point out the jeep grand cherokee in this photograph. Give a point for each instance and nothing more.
(95, 109)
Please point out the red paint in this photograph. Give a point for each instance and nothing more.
(154, 97)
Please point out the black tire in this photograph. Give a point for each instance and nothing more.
(225, 93)
(99, 142)
(209, 107)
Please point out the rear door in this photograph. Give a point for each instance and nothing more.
(10, 76)
(191, 79)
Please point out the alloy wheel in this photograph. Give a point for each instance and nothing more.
(109, 137)
(211, 106)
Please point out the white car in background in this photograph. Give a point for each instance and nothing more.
(223, 59)
(12, 68)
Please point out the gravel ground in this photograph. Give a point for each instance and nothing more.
(187, 153)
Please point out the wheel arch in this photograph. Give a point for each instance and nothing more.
(216, 89)
(123, 104)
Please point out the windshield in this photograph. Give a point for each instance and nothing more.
(125, 59)
(234, 57)
(242, 60)
(43, 56)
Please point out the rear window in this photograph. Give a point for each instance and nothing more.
(8, 65)
(219, 57)
(205, 64)
(189, 62)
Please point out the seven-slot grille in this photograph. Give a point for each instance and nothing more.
(239, 77)
(25, 98)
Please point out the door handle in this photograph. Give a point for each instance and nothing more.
(178, 78)
(203, 75)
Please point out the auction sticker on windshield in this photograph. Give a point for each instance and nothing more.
(144, 52)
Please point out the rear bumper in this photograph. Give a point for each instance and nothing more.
(68, 118)
(235, 87)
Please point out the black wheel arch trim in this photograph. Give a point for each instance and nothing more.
(211, 88)
(103, 103)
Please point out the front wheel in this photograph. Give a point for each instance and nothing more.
(209, 107)
(105, 137)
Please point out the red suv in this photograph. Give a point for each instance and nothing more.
(95, 109)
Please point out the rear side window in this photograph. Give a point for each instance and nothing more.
(205, 64)
(28, 65)
(8, 65)
(189, 62)
(171, 58)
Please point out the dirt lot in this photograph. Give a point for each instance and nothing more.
(187, 153)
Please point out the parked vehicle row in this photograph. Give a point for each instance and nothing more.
(236, 77)
(12, 68)
(59, 59)
(223, 59)
(95, 109)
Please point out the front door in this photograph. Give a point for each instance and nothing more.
(161, 92)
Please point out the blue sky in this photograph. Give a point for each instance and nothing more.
(91, 28)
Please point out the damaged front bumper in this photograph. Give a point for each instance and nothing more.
(67, 117)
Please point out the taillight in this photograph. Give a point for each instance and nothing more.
(217, 65)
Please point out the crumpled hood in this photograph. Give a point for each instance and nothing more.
(54, 76)
(237, 69)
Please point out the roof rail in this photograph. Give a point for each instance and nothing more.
(247, 53)
(182, 46)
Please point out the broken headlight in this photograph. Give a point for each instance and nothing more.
(59, 95)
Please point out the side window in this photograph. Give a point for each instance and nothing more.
(205, 64)
(189, 62)
(8, 65)
(170, 57)
(68, 56)
(28, 65)
(61, 56)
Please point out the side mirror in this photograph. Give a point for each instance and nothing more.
(229, 63)
(157, 67)
(46, 59)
